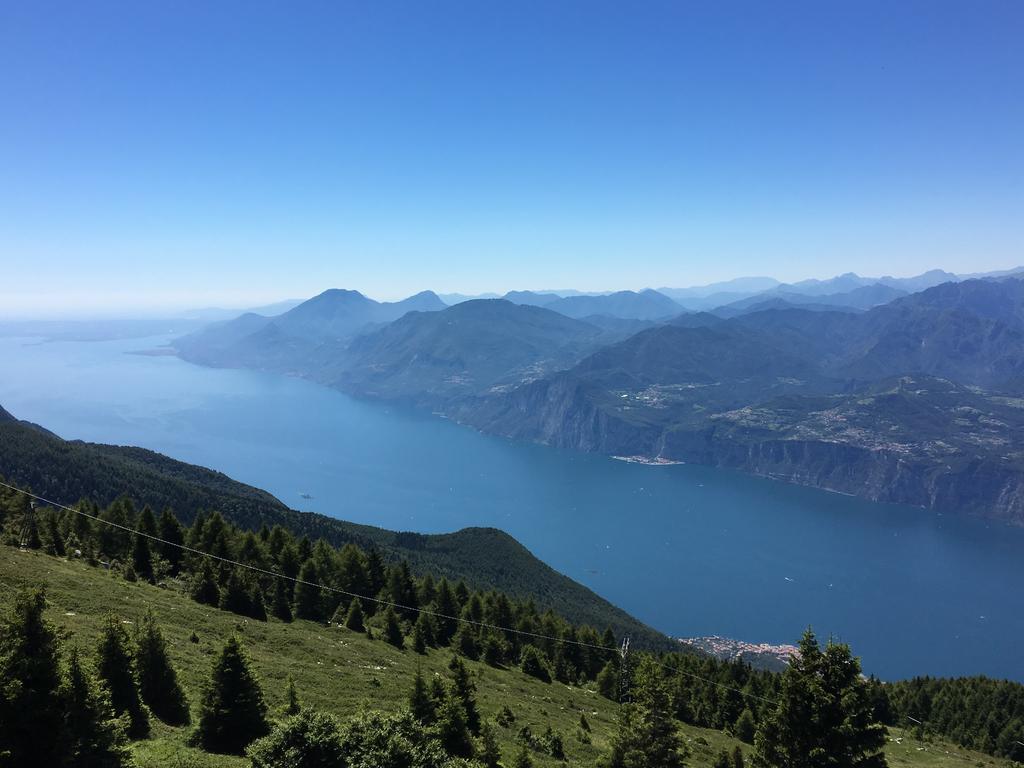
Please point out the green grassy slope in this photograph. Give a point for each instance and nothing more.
(66, 472)
(340, 671)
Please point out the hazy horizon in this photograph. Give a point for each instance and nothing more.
(169, 156)
(185, 306)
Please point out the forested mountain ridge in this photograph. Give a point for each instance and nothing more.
(69, 471)
(790, 392)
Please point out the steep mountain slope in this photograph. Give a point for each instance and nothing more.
(469, 349)
(68, 471)
(864, 297)
(289, 340)
(628, 305)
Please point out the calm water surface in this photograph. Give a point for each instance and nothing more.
(690, 550)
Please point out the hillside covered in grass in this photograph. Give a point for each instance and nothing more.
(342, 672)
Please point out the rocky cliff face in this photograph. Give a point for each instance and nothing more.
(564, 412)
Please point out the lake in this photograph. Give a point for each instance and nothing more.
(690, 550)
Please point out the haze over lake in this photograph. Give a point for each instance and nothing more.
(690, 550)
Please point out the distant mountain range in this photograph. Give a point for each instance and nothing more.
(865, 387)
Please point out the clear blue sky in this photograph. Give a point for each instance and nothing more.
(180, 154)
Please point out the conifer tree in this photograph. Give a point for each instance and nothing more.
(523, 759)
(392, 629)
(452, 730)
(424, 627)
(489, 753)
(31, 709)
(737, 758)
(233, 712)
(292, 706)
(308, 596)
(419, 641)
(354, 618)
(463, 690)
(235, 595)
(204, 587)
(823, 715)
(173, 536)
(158, 680)
(465, 641)
(421, 705)
(646, 735)
(608, 682)
(116, 668)
(91, 735)
(281, 607)
(745, 728)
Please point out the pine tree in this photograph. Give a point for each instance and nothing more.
(392, 629)
(173, 536)
(204, 587)
(489, 753)
(463, 690)
(419, 641)
(233, 711)
(158, 680)
(646, 735)
(452, 730)
(142, 558)
(523, 759)
(354, 618)
(235, 595)
(281, 607)
(608, 682)
(737, 758)
(745, 728)
(292, 706)
(722, 759)
(465, 641)
(421, 705)
(116, 668)
(31, 709)
(308, 596)
(424, 629)
(823, 714)
(91, 734)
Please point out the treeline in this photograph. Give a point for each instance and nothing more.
(975, 712)
(67, 471)
(403, 609)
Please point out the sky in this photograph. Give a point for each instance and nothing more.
(162, 154)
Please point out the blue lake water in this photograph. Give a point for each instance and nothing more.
(690, 550)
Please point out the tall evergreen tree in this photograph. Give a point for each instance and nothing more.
(463, 689)
(646, 735)
(281, 605)
(354, 618)
(421, 704)
(31, 709)
(91, 735)
(233, 712)
(308, 595)
(116, 668)
(489, 753)
(158, 680)
(292, 706)
(452, 730)
(392, 628)
(204, 587)
(173, 536)
(823, 716)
